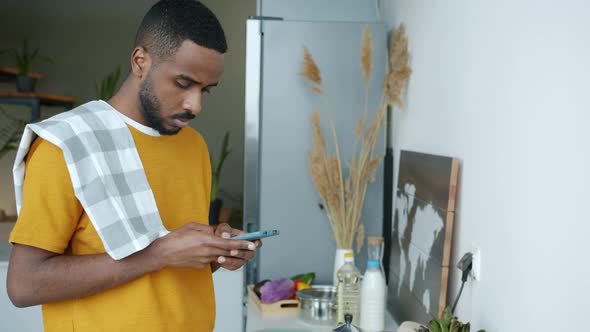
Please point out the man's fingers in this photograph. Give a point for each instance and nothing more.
(232, 263)
(236, 232)
(216, 252)
(223, 228)
(229, 244)
(243, 254)
(226, 231)
(200, 227)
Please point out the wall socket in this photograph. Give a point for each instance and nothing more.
(476, 264)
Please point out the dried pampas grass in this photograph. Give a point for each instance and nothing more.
(360, 238)
(312, 72)
(344, 198)
(398, 70)
(366, 53)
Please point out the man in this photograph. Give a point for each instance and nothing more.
(58, 259)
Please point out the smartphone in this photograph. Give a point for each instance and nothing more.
(256, 235)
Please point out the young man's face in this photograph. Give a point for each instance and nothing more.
(174, 89)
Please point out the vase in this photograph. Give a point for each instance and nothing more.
(25, 83)
(338, 262)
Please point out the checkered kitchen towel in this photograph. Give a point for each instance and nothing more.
(106, 172)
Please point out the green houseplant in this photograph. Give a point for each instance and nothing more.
(10, 133)
(447, 323)
(23, 58)
(108, 85)
(216, 202)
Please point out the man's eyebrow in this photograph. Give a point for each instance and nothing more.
(193, 81)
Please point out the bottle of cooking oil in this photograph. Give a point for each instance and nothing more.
(348, 291)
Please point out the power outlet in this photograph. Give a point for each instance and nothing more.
(476, 264)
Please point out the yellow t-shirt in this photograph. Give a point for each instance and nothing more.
(51, 218)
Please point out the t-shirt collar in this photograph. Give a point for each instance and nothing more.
(143, 128)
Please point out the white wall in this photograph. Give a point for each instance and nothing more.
(89, 39)
(503, 86)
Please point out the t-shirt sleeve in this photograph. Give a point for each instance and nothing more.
(50, 210)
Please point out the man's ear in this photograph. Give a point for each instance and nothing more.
(140, 62)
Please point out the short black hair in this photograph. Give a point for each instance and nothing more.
(170, 22)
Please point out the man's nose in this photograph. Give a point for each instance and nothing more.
(193, 103)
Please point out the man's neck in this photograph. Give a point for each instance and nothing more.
(126, 100)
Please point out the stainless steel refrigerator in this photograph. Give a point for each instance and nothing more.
(278, 191)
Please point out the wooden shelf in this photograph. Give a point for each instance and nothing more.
(8, 219)
(45, 98)
(8, 74)
(35, 100)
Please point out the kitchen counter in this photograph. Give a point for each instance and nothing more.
(290, 322)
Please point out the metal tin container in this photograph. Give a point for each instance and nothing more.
(317, 305)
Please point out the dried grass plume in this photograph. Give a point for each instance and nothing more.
(344, 198)
(360, 238)
(398, 70)
(366, 53)
(311, 71)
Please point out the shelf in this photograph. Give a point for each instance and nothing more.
(8, 74)
(35, 100)
(46, 99)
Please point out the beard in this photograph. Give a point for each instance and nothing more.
(152, 111)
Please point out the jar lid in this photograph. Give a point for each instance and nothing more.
(318, 293)
(375, 239)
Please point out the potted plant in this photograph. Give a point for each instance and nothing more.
(108, 85)
(10, 133)
(447, 323)
(23, 58)
(217, 203)
(236, 216)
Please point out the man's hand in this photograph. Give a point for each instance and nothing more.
(237, 258)
(37, 276)
(197, 246)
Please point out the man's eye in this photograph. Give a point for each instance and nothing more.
(183, 86)
(207, 90)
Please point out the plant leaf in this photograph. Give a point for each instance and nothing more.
(108, 84)
(45, 58)
(216, 165)
(34, 54)
(466, 327)
(434, 326)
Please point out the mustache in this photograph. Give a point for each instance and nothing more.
(184, 116)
